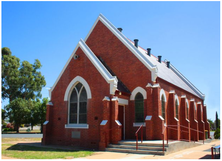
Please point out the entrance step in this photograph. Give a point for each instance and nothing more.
(143, 148)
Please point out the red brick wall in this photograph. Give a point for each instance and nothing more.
(59, 112)
(118, 57)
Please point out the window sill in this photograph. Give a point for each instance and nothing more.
(77, 126)
(138, 124)
(176, 119)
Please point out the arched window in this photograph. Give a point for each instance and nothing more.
(177, 110)
(195, 114)
(139, 108)
(163, 106)
(187, 107)
(78, 105)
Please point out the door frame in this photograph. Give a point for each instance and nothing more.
(123, 102)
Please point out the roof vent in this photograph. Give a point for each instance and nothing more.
(120, 29)
(136, 42)
(159, 58)
(168, 64)
(148, 51)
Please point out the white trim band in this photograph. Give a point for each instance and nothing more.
(76, 126)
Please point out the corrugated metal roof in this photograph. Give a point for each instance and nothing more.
(171, 74)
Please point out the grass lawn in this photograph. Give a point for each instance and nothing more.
(15, 150)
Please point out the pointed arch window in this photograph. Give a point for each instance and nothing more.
(78, 105)
(177, 110)
(139, 108)
(187, 108)
(195, 111)
(163, 106)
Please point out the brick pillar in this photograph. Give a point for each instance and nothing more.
(201, 124)
(184, 122)
(172, 122)
(207, 125)
(116, 131)
(149, 112)
(193, 122)
(157, 122)
(105, 125)
(46, 127)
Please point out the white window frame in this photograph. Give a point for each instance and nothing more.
(187, 109)
(177, 99)
(67, 96)
(162, 92)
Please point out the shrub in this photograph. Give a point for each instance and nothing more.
(217, 134)
(7, 129)
(9, 125)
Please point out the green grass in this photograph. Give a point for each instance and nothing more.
(31, 152)
(16, 150)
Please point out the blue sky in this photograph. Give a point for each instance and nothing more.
(186, 33)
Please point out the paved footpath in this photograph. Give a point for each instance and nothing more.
(202, 151)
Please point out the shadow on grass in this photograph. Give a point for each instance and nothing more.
(37, 147)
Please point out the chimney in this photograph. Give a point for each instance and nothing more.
(120, 29)
(148, 51)
(159, 58)
(168, 64)
(136, 42)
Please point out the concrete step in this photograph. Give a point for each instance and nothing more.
(141, 144)
(123, 150)
(133, 147)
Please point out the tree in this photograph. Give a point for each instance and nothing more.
(18, 112)
(212, 125)
(42, 112)
(217, 133)
(21, 84)
(10, 75)
(33, 107)
(217, 121)
(20, 80)
(31, 80)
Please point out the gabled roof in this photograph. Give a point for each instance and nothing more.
(112, 80)
(171, 75)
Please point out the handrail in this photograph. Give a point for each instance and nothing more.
(170, 127)
(136, 134)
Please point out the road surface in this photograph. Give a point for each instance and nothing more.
(21, 135)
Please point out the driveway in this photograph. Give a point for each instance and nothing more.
(21, 135)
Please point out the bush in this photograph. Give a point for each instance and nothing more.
(217, 134)
(7, 129)
(9, 125)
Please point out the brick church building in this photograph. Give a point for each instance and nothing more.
(110, 86)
